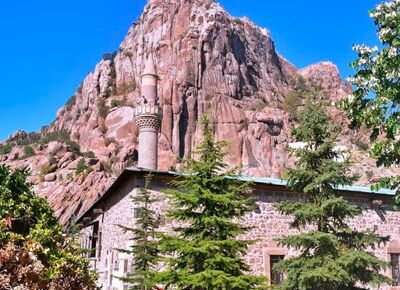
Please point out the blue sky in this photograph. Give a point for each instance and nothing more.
(48, 47)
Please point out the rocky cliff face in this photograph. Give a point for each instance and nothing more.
(208, 62)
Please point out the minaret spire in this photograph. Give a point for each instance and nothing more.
(148, 116)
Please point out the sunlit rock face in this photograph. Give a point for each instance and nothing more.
(208, 62)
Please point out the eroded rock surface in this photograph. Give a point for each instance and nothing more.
(208, 63)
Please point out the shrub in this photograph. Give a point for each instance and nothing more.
(52, 158)
(74, 147)
(106, 56)
(43, 129)
(62, 136)
(5, 149)
(80, 88)
(82, 167)
(108, 167)
(30, 138)
(70, 103)
(89, 154)
(103, 110)
(28, 151)
(115, 103)
(46, 169)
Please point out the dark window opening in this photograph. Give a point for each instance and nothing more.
(276, 277)
(93, 240)
(394, 261)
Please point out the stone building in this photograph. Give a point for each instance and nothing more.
(102, 236)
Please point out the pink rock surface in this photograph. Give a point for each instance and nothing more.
(208, 63)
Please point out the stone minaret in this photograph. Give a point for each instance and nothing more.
(148, 115)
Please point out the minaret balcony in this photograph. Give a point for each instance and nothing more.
(148, 110)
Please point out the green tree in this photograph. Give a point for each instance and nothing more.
(204, 252)
(144, 251)
(375, 102)
(332, 256)
(34, 251)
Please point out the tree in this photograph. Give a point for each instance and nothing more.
(204, 252)
(34, 251)
(332, 255)
(144, 251)
(375, 102)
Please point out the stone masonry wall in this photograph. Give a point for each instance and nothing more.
(267, 225)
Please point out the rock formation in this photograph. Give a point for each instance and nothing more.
(208, 62)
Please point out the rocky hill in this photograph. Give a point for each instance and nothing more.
(208, 62)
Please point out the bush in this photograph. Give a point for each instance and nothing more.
(89, 154)
(74, 147)
(106, 56)
(70, 103)
(46, 169)
(5, 149)
(115, 103)
(35, 252)
(118, 103)
(30, 138)
(82, 167)
(108, 168)
(62, 136)
(28, 151)
(103, 110)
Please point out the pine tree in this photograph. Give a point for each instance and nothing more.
(144, 250)
(332, 255)
(205, 252)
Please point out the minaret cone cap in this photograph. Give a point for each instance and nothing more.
(150, 68)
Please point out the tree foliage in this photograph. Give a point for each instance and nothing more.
(205, 252)
(332, 255)
(144, 251)
(375, 102)
(34, 251)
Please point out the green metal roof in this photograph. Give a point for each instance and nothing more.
(353, 188)
(282, 182)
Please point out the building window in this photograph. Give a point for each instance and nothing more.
(394, 261)
(94, 239)
(276, 277)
